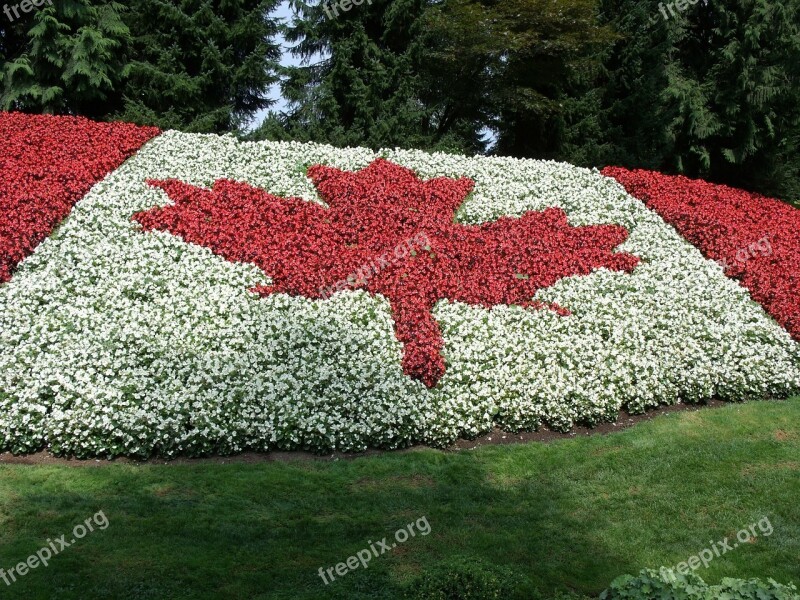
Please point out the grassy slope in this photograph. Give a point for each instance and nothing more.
(572, 514)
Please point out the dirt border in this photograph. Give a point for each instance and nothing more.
(495, 438)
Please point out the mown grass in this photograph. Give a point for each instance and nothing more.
(569, 515)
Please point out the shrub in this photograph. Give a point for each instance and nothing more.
(669, 585)
(465, 579)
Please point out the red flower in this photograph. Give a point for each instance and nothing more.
(756, 238)
(390, 233)
(47, 164)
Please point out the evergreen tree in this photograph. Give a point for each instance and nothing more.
(734, 94)
(200, 65)
(548, 60)
(12, 43)
(524, 68)
(633, 114)
(68, 57)
(710, 91)
(366, 84)
(196, 65)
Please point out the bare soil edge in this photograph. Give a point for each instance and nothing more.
(496, 437)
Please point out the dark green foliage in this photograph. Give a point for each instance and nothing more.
(362, 92)
(711, 92)
(65, 58)
(522, 67)
(731, 92)
(372, 83)
(436, 74)
(669, 585)
(465, 579)
(196, 65)
(199, 65)
(634, 121)
(543, 80)
(12, 43)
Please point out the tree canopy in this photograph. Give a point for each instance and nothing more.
(707, 89)
(197, 65)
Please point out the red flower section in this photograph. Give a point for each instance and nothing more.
(47, 164)
(756, 239)
(390, 233)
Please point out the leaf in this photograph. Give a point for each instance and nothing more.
(365, 238)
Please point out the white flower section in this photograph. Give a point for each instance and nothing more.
(113, 341)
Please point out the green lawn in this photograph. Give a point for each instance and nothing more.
(569, 515)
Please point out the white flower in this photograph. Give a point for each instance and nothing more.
(113, 341)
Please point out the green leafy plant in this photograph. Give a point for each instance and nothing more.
(670, 585)
(464, 579)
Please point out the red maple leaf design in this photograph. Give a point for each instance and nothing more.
(388, 232)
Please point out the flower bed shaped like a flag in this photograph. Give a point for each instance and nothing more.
(185, 304)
